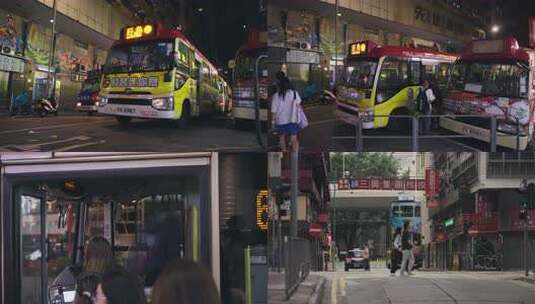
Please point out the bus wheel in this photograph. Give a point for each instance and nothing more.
(183, 122)
(400, 125)
(123, 120)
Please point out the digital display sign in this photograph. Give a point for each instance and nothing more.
(357, 48)
(138, 31)
(262, 210)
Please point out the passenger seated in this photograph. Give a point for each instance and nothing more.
(98, 259)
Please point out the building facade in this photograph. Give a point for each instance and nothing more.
(327, 27)
(85, 31)
(478, 212)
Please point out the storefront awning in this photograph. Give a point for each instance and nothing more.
(38, 12)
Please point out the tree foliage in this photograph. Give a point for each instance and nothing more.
(367, 164)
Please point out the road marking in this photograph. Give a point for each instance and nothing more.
(32, 130)
(342, 287)
(32, 147)
(334, 293)
(69, 148)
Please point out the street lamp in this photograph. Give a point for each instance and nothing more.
(495, 29)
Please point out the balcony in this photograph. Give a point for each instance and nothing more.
(475, 223)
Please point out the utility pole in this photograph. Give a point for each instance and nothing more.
(51, 51)
(294, 188)
(526, 262)
(335, 42)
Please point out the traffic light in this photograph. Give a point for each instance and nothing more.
(531, 196)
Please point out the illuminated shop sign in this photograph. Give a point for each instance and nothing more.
(262, 210)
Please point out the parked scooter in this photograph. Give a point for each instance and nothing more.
(46, 106)
(328, 97)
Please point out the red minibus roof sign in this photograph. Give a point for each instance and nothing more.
(137, 31)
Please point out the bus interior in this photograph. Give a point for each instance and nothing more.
(147, 219)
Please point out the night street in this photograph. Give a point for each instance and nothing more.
(324, 127)
(100, 133)
(378, 287)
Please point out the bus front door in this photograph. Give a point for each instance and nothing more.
(47, 242)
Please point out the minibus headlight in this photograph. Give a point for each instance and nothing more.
(164, 103)
(103, 101)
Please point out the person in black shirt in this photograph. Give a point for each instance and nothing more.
(406, 248)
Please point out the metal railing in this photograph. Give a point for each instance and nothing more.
(415, 136)
(297, 263)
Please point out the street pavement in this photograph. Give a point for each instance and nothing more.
(377, 287)
(323, 127)
(70, 132)
(308, 292)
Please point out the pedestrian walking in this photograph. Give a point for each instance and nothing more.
(366, 256)
(288, 115)
(395, 255)
(426, 99)
(406, 248)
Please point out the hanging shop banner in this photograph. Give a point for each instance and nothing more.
(432, 182)
(380, 184)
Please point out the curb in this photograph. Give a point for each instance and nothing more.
(317, 295)
(527, 280)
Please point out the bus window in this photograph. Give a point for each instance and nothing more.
(394, 76)
(416, 72)
(395, 211)
(196, 69)
(406, 211)
(417, 211)
(183, 57)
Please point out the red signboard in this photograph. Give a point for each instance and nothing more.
(314, 229)
(532, 32)
(432, 182)
(380, 184)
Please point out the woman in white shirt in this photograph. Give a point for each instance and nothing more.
(285, 105)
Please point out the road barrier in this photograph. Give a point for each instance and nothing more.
(413, 125)
(297, 263)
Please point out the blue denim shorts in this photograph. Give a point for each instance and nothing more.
(287, 129)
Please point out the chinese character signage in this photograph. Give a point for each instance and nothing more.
(380, 184)
(137, 31)
(432, 187)
(262, 210)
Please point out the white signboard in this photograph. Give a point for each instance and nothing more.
(297, 56)
(11, 64)
(487, 46)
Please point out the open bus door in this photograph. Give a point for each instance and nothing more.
(30, 206)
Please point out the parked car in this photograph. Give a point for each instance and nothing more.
(355, 260)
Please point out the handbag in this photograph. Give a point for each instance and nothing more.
(302, 121)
